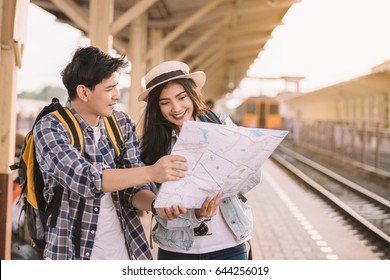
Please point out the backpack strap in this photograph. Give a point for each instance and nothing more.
(46, 110)
(209, 116)
(116, 139)
(77, 230)
(65, 116)
(54, 207)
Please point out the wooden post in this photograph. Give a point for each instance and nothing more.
(7, 121)
(137, 48)
(353, 135)
(363, 144)
(156, 35)
(377, 144)
(101, 16)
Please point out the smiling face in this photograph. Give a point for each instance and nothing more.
(175, 104)
(99, 102)
(104, 96)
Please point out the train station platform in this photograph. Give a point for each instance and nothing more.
(291, 223)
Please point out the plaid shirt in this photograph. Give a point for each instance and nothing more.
(81, 176)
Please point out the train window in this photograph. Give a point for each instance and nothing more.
(274, 109)
(250, 109)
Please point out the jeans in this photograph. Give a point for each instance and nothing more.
(234, 253)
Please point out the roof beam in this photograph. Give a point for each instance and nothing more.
(254, 7)
(249, 53)
(250, 28)
(249, 36)
(132, 13)
(200, 40)
(247, 42)
(74, 12)
(183, 27)
(212, 59)
(216, 80)
(207, 53)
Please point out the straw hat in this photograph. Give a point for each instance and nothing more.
(168, 71)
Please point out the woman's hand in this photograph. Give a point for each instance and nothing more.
(172, 212)
(209, 207)
(168, 168)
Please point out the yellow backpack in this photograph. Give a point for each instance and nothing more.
(31, 182)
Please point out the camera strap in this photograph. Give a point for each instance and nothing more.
(250, 257)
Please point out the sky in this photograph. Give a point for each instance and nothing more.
(44, 58)
(326, 41)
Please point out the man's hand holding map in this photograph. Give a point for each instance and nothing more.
(219, 158)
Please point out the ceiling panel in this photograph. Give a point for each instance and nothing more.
(224, 42)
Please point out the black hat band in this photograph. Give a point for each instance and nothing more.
(164, 77)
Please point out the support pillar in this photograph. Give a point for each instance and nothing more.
(101, 16)
(156, 36)
(138, 31)
(7, 121)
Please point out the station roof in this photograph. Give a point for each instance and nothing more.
(219, 37)
(376, 83)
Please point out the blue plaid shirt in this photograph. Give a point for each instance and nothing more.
(81, 176)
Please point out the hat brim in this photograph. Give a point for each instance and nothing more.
(199, 78)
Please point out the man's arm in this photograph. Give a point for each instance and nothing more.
(167, 168)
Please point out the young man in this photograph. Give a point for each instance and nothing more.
(110, 226)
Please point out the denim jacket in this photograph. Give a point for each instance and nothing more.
(179, 234)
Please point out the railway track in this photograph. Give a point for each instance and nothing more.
(367, 211)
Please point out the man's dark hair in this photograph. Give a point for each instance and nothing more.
(89, 67)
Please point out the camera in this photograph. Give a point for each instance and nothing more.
(204, 228)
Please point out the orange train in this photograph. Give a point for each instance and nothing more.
(260, 112)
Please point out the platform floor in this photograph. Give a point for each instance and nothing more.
(293, 224)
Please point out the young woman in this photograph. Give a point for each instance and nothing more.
(219, 230)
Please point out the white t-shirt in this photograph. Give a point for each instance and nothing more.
(109, 241)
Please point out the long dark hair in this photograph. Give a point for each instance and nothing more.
(156, 135)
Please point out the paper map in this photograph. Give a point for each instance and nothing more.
(219, 158)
